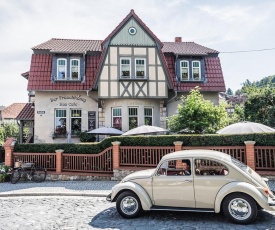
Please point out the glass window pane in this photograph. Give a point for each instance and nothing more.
(60, 122)
(196, 64)
(116, 118)
(133, 118)
(76, 121)
(210, 168)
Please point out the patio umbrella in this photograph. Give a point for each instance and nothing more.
(145, 129)
(245, 127)
(106, 131)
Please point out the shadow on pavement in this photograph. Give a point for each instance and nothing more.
(109, 218)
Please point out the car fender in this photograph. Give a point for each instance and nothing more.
(240, 187)
(144, 198)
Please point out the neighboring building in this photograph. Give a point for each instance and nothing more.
(9, 113)
(129, 79)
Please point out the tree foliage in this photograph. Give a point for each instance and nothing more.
(197, 115)
(8, 130)
(260, 104)
(229, 91)
(238, 114)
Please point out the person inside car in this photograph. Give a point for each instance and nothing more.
(185, 168)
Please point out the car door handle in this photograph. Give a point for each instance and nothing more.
(188, 181)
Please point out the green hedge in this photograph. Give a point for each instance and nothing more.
(263, 139)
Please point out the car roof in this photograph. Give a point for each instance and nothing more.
(198, 153)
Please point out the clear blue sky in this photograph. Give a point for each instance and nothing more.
(221, 25)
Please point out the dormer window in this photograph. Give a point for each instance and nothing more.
(196, 70)
(74, 69)
(140, 67)
(184, 70)
(125, 67)
(61, 69)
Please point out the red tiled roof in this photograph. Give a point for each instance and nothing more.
(186, 48)
(40, 74)
(12, 111)
(214, 77)
(27, 113)
(132, 14)
(57, 45)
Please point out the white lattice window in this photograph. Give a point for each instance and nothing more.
(125, 67)
(117, 118)
(184, 70)
(60, 121)
(74, 69)
(61, 68)
(76, 120)
(140, 67)
(148, 116)
(196, 70)
(133, 118)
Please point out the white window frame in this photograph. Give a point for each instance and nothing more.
(120, 70)
(57, 70)
(196, 68)
(78, 67)
(78, 117)
(60, 117)
(152, 116)
(144, 59)
(133, 115)
(116, 116)
(188, 75)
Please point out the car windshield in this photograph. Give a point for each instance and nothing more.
(240, 164)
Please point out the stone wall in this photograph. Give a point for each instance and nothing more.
(73, 177)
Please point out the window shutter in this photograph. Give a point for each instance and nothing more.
(54, 67)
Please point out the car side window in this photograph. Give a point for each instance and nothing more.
(205, 167)
(181, 167)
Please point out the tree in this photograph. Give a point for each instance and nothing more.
(237, 115)
(238, 92)
(8, 130)
(198, 115)
(229, 92)
(260, 105)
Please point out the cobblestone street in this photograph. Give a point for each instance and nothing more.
(96, 213)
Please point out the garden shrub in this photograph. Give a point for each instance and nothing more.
(261, 139)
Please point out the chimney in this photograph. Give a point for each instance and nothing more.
(177, 39)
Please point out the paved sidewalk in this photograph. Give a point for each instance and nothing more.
(60, 188)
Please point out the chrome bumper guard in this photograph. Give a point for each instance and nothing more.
(271, 202)
(108, 198)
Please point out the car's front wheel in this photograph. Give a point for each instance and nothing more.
(240, 208)
(128, 205)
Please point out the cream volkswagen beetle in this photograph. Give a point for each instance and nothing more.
(195, 180)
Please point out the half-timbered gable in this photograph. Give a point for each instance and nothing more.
(132, 65)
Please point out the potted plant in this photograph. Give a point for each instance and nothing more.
(4, 176)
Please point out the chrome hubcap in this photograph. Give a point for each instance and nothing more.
(129, 205)
(239, 208)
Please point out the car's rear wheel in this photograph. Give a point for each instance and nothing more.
(128, 205)
(240, 208)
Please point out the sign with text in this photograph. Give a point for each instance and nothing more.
(91, 120)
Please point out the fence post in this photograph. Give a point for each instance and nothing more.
(178, 147)
(59, 160)
(9, 148)
(250, 153)
(116, 154)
